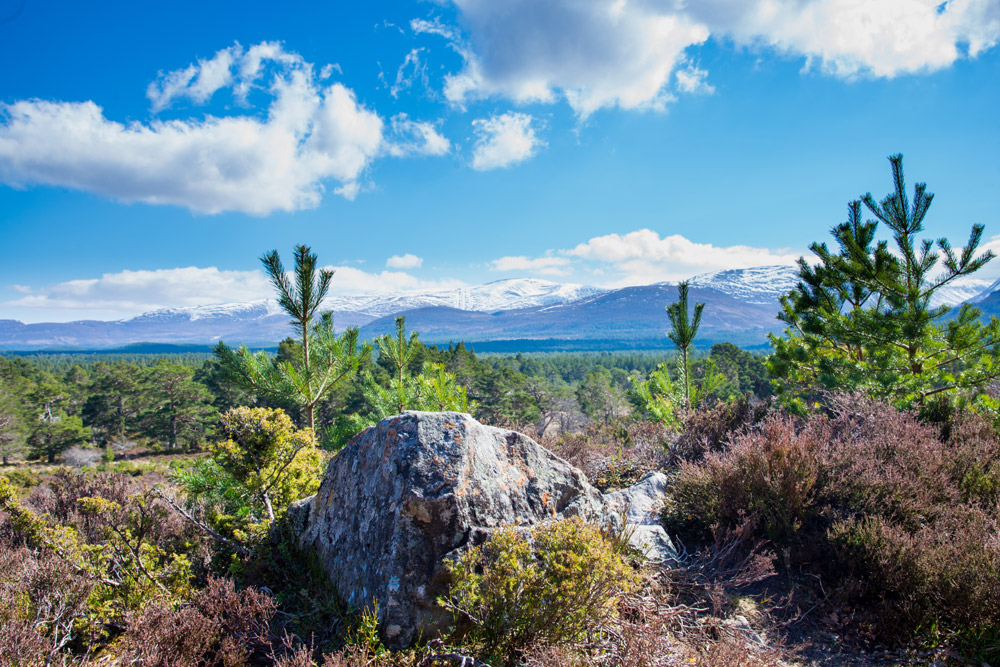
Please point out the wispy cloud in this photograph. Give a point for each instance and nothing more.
(410, 137)
(693, 81)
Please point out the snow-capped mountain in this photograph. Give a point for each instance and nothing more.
(766, 284)
(510, 294)
(741, 306)
(963, 289)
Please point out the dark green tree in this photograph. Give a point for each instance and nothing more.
(179, 407)
(114, 400)
(862, 317)
(683, 329)
(11, 438)
(600, 398)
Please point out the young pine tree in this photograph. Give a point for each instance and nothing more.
(326, 358)
(683, 329)
(863, 317)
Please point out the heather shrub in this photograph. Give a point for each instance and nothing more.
(710, 428)
(43, 603)
(560, 584)
(771, 476)
(220, 626)
(615, 456)
(873, 499)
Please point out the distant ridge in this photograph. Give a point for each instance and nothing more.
(742, 305)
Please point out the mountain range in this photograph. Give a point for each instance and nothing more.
(524, 313)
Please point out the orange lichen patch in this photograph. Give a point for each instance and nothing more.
(329, 497)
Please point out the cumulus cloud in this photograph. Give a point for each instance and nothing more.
(127, 293)
(311, 134)
(503, 141)
(407, 261)
(593, 53)
(852, 37)
(350, 281)
(548, 266)
(621, 53)
(643, 257)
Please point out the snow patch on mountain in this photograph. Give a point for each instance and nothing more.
(758, 285)
(509, 294)
(242, 310)
(963, 289)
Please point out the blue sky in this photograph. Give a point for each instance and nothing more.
(150, 153)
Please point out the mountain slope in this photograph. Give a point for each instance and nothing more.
(627, 314)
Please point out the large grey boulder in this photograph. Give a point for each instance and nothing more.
(422, 487)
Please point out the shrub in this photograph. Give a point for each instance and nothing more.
(874, 499)
(81, 457)
(710, 429)
(123, 541)
(615, 456)
(220, 626)
(42, 603)
(560, 584)
(251, 478)
(22, 478)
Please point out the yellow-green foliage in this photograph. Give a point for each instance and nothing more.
(559, 584)
(127, 570)
(252, 477)
(268, 455)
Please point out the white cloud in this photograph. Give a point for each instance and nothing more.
(196, 82)
(311, 134)
(407, 261)
(410, 137)
(503, 141)
(643, 257)
(348, 281)
(692, 80)
(621, 53)
(851, 37)
(548, 266)
(127, 293)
